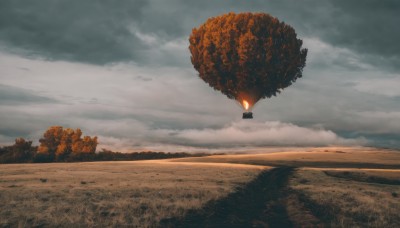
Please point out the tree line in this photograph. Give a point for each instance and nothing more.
(60, 144)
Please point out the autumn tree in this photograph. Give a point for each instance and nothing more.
(49, 143)
(64, 148)
(60, 144)
(21, 151)
(89, 144)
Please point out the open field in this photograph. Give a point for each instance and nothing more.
(111, 193)
(328, 187)
(333, 186)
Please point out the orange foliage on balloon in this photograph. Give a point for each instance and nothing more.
(247, 56)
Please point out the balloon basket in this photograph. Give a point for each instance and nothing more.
(247, 115)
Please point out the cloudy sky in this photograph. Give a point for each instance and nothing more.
(121, 70)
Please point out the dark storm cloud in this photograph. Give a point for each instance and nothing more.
(89, 31)
(369, 27)
(110, 31)
(10, 95)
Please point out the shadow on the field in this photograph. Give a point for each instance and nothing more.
(258, 204)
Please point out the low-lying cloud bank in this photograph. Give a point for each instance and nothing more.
(235, 136)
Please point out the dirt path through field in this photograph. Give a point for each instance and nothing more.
(261, 203)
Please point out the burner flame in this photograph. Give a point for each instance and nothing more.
(246, 105)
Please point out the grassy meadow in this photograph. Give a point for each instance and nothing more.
(111, 193)
(326, 187)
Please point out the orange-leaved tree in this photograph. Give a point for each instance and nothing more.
(59, 144)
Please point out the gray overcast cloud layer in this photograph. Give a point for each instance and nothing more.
(103, 32)
(100, 66)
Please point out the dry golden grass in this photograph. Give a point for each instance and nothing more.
(349, 193)
(347, 202)
(352, 157)
(112, 193)
(350, 196)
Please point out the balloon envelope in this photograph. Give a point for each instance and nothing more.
(247, 56)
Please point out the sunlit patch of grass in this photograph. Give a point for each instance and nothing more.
(326, 157)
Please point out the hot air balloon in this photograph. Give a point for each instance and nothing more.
(247, 56)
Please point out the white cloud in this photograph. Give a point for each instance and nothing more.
(323, 55)
(380, 86)
(239, 134)
(148, 39)
(254, 133)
